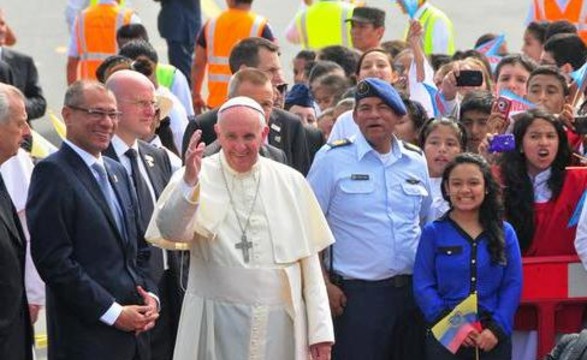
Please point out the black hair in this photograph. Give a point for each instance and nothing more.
(346, 57)
(491, 210)
(394, 47)
(246, 52)
(559, 27)
(517, 186)
(308, 55)
(416, 112)
(138, 48)
(322, 67)
(432, 124)
(108, 63)
(437, 60)
(538, 30)
(478, 100)
(567, 48)
(515, 59)
(551, 71)
(132, 32)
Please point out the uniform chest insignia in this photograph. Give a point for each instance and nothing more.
(359, 177)
(412, 181)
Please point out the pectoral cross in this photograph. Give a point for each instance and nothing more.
(244, 245)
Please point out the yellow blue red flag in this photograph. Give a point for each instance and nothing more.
(453, 329)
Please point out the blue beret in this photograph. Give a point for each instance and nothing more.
(299, 95)
(373, 87)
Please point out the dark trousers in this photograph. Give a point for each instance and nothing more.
(380, 322)
(180, 55)
(435, 351)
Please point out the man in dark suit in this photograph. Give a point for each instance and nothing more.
(15, 323)
(24, 73)
(285, 130)
(82, 216)
(150, 170)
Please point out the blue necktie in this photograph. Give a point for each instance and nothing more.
(108, 192)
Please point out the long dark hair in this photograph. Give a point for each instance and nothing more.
(491, 210)
(518, 190)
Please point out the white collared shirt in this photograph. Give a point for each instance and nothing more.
(542, 192)
(120, 148)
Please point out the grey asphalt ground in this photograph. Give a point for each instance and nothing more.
(42, 33)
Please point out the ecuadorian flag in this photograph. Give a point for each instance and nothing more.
(453, 329)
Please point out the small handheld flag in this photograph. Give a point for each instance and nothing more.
(454, 328)
(411, 7)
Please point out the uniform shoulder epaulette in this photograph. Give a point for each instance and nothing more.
(340, 143)
(413, 147)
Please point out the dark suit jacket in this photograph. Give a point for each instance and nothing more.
(26, 80)
(315, 139)
(85, 261)
(267, 150)
(15, 325)
(286, 132)
(163, 336)
(6, 76)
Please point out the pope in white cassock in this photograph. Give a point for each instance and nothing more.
(254, 230)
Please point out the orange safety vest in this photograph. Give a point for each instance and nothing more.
(575, 12)
(96, 35)
(222, 33)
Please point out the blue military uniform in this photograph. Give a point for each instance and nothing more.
(375, 205)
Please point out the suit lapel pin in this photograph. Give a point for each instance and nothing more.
(276, 127)
(149, 160)
(277, 139)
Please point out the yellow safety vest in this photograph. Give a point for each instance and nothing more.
(165, 74)
(95, 2)
(324, 23)
(428, 20)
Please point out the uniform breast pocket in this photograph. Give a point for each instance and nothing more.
(449, 250)
(411, 198)
(352, 186)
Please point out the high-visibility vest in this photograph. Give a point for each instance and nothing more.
(324, 24)
(165, 74)
(95, 2)
(428, 20)
(96, 35)
(222, 33)
(575, 12)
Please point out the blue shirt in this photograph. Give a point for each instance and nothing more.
(373, 204)
(450, 265)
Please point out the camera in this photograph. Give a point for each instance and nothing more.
(470, 78)
(503, 105)
(502, 143)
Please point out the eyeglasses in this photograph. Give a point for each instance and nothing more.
(145, 104)
(97, 114)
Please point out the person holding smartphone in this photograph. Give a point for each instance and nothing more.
(541, 198)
